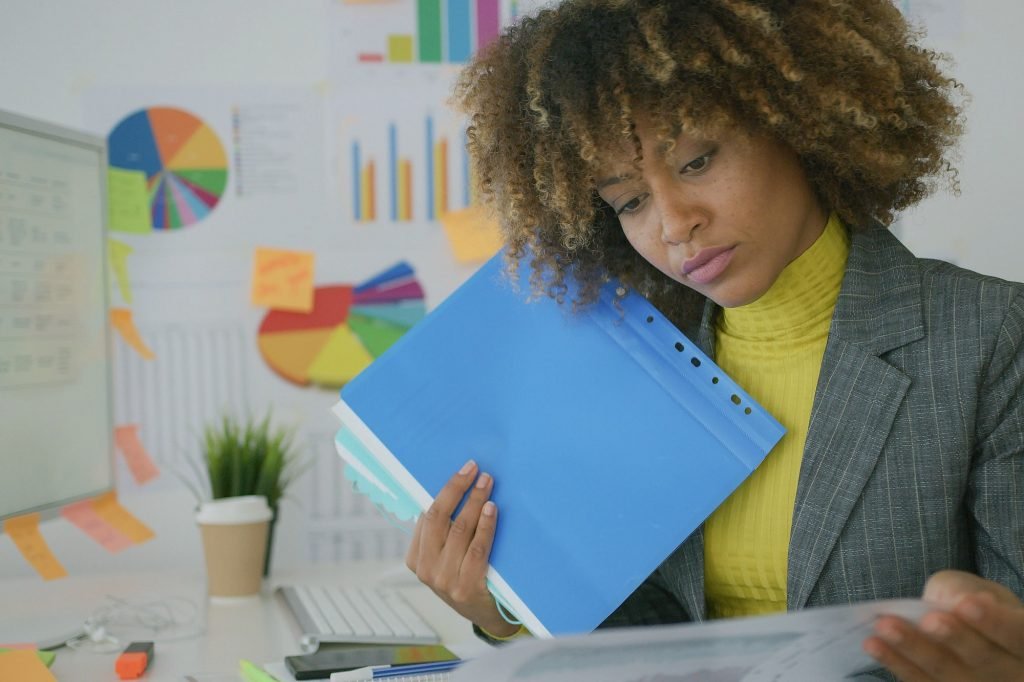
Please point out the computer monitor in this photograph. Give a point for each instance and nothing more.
(56, 424)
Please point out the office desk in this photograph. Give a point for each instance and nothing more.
(258, 628)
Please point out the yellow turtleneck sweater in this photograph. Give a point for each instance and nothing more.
(773, 348)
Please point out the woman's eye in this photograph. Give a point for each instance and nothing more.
(698, 165)
(629, 206)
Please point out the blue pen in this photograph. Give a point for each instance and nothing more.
(383, 672)
(376, 672)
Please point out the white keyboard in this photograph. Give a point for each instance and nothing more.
(360, 615)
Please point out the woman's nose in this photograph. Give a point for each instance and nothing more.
(679, 220)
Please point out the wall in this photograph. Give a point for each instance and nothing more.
(88, 64)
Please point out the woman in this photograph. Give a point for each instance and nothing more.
(735, 162)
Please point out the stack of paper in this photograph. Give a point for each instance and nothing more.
(609, 434)
(814, 645)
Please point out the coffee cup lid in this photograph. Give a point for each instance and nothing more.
(231, 510)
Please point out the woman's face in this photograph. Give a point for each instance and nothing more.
(724, 217)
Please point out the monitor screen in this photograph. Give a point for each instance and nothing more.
(56, 431)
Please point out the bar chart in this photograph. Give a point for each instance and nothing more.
(425, 32)
(421, 172)
(444, 32)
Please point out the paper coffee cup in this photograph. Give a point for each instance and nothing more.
(234, 532)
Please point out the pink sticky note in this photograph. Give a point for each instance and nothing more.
(135, 455)
(83, 515)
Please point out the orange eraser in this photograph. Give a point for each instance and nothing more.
(134, 660)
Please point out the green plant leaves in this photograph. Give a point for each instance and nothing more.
(248, 457)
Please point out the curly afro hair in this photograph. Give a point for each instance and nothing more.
(844, 83)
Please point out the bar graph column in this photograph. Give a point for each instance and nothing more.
(441, 175)
(357, 176)
(400, 49)
(393, 169)
(488, 21)
(460, 31)
(369, 198)
(431, 166)
(468, 187)
(428, 21)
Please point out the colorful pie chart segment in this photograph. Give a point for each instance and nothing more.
(348, 327)
(182, 158)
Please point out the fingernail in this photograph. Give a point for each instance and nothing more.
(467, 467)
(489, 508)
(483, 480)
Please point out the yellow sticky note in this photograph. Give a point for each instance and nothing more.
(283, 280)
(118, 254)
(473, 234)
(110, 510)
(24, 666)
(24, 533)
(128, 201)
(135, 454)
(123, 322)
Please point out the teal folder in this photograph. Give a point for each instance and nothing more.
(610, 436)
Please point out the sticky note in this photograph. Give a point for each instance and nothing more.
(135, 454)
(24, 666)
(110, 510)
(472, 233)
(128, 201)
(45, 656)
(123, 322)
(24, 533)
(283, 280)
(118, 254)
(83, 516)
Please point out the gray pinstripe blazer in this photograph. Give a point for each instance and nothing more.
(914, 460)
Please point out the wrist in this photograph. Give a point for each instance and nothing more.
(498, 628)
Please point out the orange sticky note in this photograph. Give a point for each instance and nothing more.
(473, 234)
(135, 455)
(83, 515)
(24, 666)
(110, 510)
(283, 280)
(122, 320)
(24, 532)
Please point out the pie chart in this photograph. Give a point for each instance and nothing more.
(348, 327)
(183, 159)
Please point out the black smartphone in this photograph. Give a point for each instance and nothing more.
(333, 658)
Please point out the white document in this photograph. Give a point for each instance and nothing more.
(813, 645)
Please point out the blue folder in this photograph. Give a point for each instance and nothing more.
(610, 436)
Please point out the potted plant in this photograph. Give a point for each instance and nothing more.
(245, 456)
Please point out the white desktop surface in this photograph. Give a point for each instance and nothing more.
(257, 628)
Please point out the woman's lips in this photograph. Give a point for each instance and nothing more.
(708, 264)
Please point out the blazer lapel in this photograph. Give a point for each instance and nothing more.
(857, 397)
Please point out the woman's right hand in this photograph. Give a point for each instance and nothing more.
(451, 556)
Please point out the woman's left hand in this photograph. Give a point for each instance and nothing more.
(978, 636)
